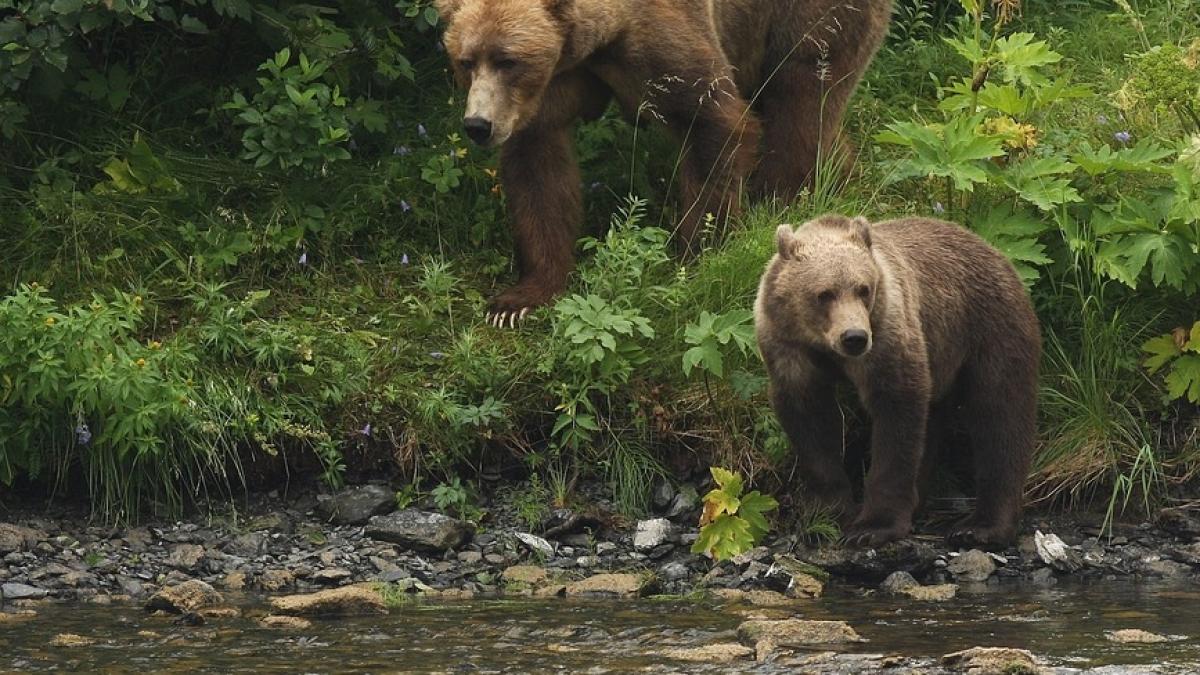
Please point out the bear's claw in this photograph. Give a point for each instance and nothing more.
(498, 319)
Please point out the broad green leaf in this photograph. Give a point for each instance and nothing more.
(1021, 56)
(1039, 181)
(727, 480)
(724, 538)
(752, 508)
(1184, 378)
(1162, 350)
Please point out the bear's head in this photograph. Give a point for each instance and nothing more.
(504, 53)
(820, 287)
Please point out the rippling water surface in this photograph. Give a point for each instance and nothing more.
(1066, 624)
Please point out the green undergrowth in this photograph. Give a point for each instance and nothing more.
(246, 240)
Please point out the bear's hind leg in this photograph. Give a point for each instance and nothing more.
(1001, 419)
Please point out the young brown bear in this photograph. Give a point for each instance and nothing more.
(533, 67)
(925, 320)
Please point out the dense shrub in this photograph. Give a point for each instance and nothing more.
(243, 230)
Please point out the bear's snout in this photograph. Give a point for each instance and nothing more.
(478, 129)
(855, 341)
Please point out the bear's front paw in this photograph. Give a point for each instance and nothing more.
(871, 536)
(513, 305)
(984, 537)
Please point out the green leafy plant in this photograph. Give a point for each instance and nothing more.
(710, 334)
(296, 119)
(1178, 353)
(454, 497)
(732, 523)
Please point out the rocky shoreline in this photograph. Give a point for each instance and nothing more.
(355, 551)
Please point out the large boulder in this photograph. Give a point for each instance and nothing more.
(356, 506)
(347, 600)
(185, 597)
(17, 538)
(419, 530)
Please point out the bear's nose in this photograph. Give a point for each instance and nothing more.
(854, 341)
(478, 129)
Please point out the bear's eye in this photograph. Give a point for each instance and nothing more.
(466, 64)
(826, 297)
(864, 292)
(505, 63)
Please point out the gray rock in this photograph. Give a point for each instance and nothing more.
(908, 555)
(664, 494)
(419, 530)
(673, 571)
(470, 557)
(1043, 576)
(684, 503)
(332, 576)
(355, 506)
(22, 592)
(17, 538)
(651, 533)
(974, 565)
(1167, 569)
(185, 556)
(186, 597)
(248, 545)
(1056, 553)
(897, 582)
(536, 544)
(1180, 521)
(131, 587)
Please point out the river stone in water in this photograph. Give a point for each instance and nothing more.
(71, 640)
(284, 622)
(718, 653)
(611, 585)
(797, 632)
(903, 583)
(419, 530)
(357, 599)
(355, 506)
(993, 661)
(1135, 635)
(273, 581)
(524, 574)
(974, 565)
(185, 597)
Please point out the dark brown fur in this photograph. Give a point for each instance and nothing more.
(709, 76)
(951, 331)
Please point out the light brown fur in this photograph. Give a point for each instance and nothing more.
(708, 69)
(946, 325)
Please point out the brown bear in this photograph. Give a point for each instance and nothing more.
(705, 68)
(927, 322)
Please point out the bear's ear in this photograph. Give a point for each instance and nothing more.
(447, 8)
(785, 241)
(860, 230)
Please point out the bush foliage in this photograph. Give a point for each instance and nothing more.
(242, 232)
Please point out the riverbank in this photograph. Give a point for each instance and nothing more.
(279, 568)
(307, 542)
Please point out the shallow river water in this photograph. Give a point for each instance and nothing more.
(1064, 624)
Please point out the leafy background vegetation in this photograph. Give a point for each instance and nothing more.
(244, 240)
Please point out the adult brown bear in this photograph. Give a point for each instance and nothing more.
(708, 69)
(928, 323)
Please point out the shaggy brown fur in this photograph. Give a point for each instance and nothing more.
(708, 69)
(926, 321)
